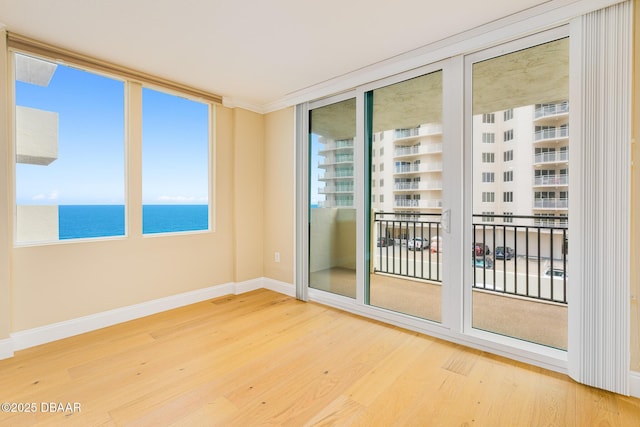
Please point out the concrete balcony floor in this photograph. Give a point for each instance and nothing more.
(524, 318)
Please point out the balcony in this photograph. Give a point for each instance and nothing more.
(348, 174)
(412, 203)
(337, 159)
(551, 180)
(551, 134)
(551, 110)
(342, 145)
(418, 150)
(551, 157)
(421, 185)
(406, 133)
(331, 189)
(551, 203)
(523, 294)
(420, 167)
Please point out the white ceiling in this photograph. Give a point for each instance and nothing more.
(254, 52)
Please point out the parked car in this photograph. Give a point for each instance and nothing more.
(415, 244)
(479, 249)
(555, 272)
(383, 241)
(483, 262)
(504, 252)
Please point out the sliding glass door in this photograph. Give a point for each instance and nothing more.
(332, 208)
(405, 141)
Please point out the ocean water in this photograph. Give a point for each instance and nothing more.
(83, 221)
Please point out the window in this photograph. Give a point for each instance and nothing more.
(488, 137)
(373, 168)
(382, 198)
(507, 176)
(507, 196)
(175, 163)
(508, 219)
(382, 151)
(69, 153)
(381, 167)
(382, 182)
(488, 196)
(508, 155)
(488, 177)
(508, 135)
(488, 216)
(489, 118)
(508, 114)
(488, 157)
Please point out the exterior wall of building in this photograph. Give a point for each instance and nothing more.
(635, 198)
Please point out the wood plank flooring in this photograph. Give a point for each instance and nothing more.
(262, 358)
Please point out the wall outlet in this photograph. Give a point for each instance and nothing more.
(277, 256)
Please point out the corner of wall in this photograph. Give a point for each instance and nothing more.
(5, 210)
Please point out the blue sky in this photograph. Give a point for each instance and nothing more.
(90, 168)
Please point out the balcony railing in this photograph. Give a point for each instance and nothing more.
(552, 110)
(411, 203)
(336, 189)
(420, 167)
(337, 174)
(551, 203)
(406, 133)
(418, 149)
(512, 255)
(562, 179)
(420, 185)
(551, 133)
(551, 157)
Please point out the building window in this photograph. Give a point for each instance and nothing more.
(508, 114)
(382, 151)
(488, 157)
(488, 216)
(373, 168)
(382, 182)
(381, 167)
(508, 135)
(508, 156)
(488, 177)
(488, 196)
(489, 118)
(382, 198)
(507, 196)
(488, 137)
(70, 155)
(508, 219)
(175, 163)
(507, 176)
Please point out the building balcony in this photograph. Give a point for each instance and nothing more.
(336, 160)
(417, 204)
(551, 203)
(413, 186)
(336, 175)
(417, 168)
(551, 157)
(335, 204)
(333, 189)
(341, 145)
(551, 181)
(418, 150)
(551, 134)
(551, 110)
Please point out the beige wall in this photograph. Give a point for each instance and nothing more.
(57, 282)
(248, 174)
(279, 191)
(635, 198)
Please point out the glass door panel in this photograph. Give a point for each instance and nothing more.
(405, 140)
(520, 190)
(332, 212)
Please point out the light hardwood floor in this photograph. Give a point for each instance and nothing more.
(262, 358)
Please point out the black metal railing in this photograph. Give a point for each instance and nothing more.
(512, 254)
(408, 244)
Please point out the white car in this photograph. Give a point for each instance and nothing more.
(415, 244)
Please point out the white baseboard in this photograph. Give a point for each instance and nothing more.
(277, 286)
(56, 331)
(634, 384)
(6, 348)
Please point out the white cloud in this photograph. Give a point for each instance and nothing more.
(38, 197)
(53, 195)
